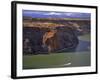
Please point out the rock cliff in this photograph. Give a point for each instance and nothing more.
(37, 40)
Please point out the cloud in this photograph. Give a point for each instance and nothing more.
(53, 13)
(68, 14)
(30, 12)
(58, 13)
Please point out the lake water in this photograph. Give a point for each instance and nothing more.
(84, 43)
(78, 58)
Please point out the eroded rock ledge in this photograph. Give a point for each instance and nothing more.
(43, 40)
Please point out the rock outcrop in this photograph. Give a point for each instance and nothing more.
(48, 40)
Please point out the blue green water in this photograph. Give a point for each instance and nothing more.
(80, 57)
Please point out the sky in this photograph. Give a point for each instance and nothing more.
(53, 14)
